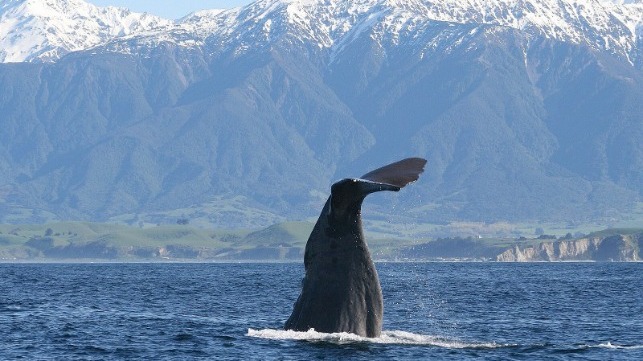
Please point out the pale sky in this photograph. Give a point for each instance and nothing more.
(170, 9)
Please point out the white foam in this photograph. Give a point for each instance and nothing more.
(619, 347)
(387, 337)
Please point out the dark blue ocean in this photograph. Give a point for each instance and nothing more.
(442, 311)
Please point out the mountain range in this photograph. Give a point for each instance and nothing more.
(525, 109)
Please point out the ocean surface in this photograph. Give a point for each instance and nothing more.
(442, 311)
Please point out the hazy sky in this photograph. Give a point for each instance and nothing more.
(170, 9)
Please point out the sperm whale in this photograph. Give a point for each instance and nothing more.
(341, 290)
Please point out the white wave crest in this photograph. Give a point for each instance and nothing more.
(387, 337)
(619, 347)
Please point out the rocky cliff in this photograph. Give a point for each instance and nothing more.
(599, 247)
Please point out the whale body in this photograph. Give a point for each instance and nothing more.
(341, 290)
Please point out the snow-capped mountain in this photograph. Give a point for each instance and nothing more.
(47, 29)
(613, 27)
(525, 109)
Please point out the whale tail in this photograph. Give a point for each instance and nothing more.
(341, 290)
(347, 194)
(398, 174)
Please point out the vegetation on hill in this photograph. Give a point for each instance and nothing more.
(280, 242)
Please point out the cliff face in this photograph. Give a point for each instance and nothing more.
(618, 248)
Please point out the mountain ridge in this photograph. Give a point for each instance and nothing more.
(602, 25)
(35, 30)
(515, 124)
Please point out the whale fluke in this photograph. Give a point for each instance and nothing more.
(341, 290)
(399, 173)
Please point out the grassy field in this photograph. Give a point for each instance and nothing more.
(15, 239)
(122, 235)
(282, 241)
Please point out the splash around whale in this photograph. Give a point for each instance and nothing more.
(386, 337)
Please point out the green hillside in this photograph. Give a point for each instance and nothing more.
(74, 241)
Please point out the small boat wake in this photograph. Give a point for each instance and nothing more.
(387, 337)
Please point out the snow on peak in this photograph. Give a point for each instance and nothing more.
(202, 22)
(44, 30)
(612, 25)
